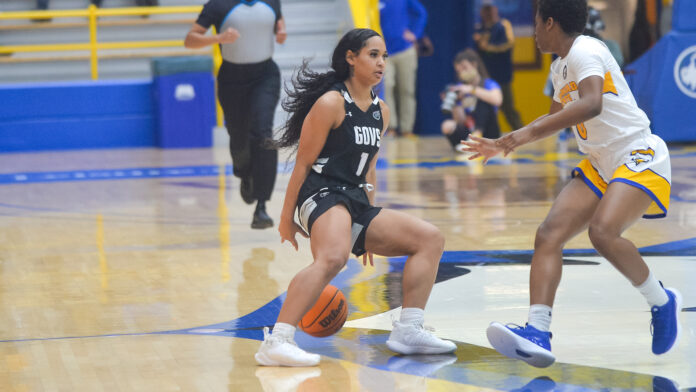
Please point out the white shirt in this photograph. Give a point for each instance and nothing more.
(621, 120)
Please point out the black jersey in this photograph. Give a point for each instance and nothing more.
(351, 147)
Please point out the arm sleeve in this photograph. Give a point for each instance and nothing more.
(208, 16)
(490, 84)
(418, 16)
(278, 12)
(587, 61)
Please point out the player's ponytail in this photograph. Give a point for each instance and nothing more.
(308, 86)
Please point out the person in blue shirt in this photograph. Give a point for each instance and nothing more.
(402, 22)
(495, 40)
(473, 101)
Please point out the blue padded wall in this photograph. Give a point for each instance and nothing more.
(76, 115)
(450, 27)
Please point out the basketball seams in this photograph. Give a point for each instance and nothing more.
(322, 311)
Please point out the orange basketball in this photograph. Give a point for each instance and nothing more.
(327, 315)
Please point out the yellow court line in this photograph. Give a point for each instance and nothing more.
(103, 265)
(224, 231)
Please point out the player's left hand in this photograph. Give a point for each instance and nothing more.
(368, 256)
(481, 147)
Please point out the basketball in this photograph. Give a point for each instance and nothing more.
(327, 315)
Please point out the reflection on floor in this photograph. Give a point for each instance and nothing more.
(137, 270)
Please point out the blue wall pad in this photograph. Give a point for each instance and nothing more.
(77, 115)
(450, 27)
(185, 109)
(663, 79)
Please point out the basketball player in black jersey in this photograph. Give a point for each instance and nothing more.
(337, 121)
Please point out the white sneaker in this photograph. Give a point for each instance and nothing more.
(282, 351)
(416, 339)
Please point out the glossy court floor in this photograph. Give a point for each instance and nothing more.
(136, 270)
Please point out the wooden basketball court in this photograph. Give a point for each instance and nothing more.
(136, 270)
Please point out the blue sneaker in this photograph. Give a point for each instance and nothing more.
(665, 326)
(661, 384)
(539, 384)
(525, 343)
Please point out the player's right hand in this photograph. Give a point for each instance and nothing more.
(228, 36)
(287, 229)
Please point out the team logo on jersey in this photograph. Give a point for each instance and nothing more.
(376, 115)
(565, 71)
(685, 71)
(368, 136)
(639, 157)
(349, 114)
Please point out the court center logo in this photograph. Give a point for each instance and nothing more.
(685, 71)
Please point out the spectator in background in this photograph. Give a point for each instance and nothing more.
(594, 26)
(645, 31)
(402, 22)
(473, 101)
(495, 39)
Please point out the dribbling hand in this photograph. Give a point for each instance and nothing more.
(288, 229)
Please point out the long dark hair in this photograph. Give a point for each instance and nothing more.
(471, 56)
(308, 86)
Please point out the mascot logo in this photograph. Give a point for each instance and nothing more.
(640, 156)
(685, 71)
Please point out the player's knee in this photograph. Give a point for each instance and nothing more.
(332, 264)
(600, 235)
(433, 239)
(546, 236)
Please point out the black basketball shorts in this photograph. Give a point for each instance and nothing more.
(356, 202)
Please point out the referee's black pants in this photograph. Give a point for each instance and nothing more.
(249, 94)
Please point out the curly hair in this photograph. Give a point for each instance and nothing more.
(570, 14)
(308, 86)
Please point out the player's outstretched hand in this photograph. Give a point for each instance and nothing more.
(512, 140)
(480, 147)
(287, 229)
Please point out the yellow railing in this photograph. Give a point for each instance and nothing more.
(92, 13)
(93, 46)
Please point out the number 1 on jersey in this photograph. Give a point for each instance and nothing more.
(361, 165)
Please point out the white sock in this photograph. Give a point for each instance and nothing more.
(411, 315)
(653, 291)
(284, 329)
(540, 317)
